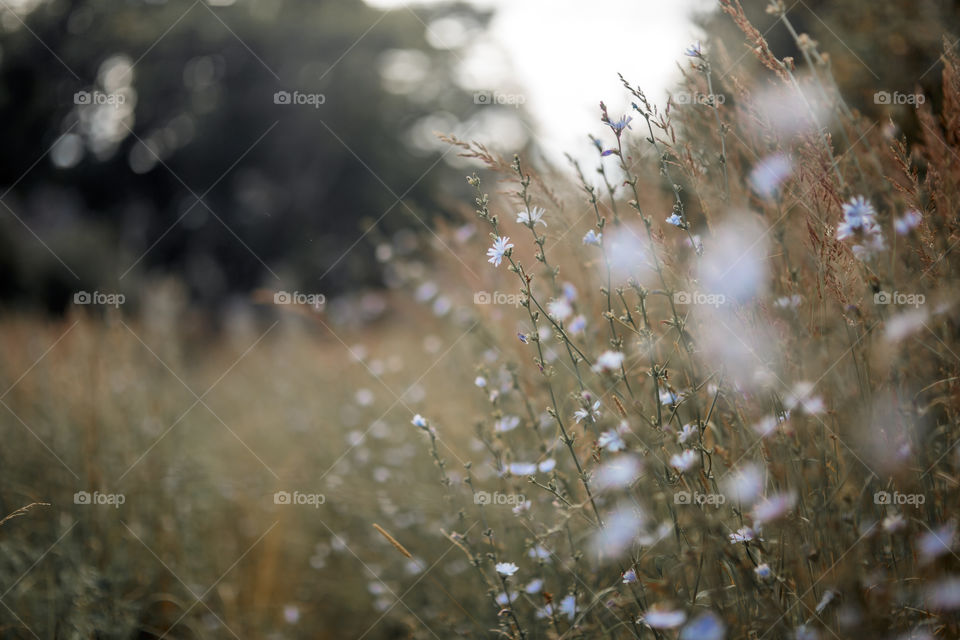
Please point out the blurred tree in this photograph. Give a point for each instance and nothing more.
(238, 146)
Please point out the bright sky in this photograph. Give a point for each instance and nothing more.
(562, 57)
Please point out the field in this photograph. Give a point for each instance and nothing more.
(709, 391)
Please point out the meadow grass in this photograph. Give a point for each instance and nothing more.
(706, 390)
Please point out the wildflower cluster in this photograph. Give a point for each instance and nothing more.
(701, 395)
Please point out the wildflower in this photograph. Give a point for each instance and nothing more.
(859, 222)
(531, 217)
(694, 51)
(592, 237)
(910, 220)
(618, 472)
(568, 606)
(523, 507)
(743, 534)
(769, 173)
(619, 125)
(745, 485)
(669, 397)
(539, 553)
(937, 542)
(522, 337)
(683, 461)
(534, 586)
(873, 243)
(773, 508)
(507, 568)
(609, 361)
(857, 214)
(419, 421)
(547, 465)
(828, 596)
(559, 309)
(578, 324)
(618, 534)
(501, 245)
(480, 381)
(688, 432)
(659, 617)
(763, 571)
(944, 594)
(592, 413)
(629, 576)
(522, 468)
(706, 626)
(893, 523)
(569, 292)
(506, 423)
(503, 599)
(788, 302)
(766, 426)
(675, 220)
(611, 441)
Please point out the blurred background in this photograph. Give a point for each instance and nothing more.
(247, 144)
(193, 158)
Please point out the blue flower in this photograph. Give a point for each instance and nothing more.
(629, 576)
(910, 220)
(568, 606)
(675, 220)
(522, 337)
(592, 237)
(619, 125)
(694, 50)
(858, 215)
